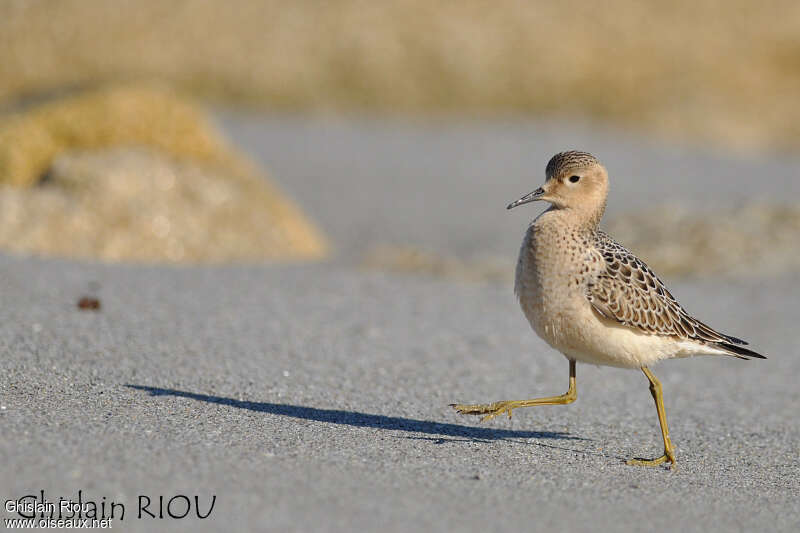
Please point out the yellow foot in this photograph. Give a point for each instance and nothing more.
(667, 457)
(489, 410)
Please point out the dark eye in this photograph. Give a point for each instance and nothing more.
(574, 179)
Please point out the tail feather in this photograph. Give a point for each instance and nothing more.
(734, 340)
(738, 351)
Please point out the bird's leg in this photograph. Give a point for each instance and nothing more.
(491, 410)
(669, 451)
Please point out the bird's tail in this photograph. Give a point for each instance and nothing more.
(737, 350)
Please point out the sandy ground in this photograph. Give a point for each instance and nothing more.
(314, 398)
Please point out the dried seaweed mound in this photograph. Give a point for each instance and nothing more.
(138, 174)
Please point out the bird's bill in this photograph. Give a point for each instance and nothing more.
(528, 198)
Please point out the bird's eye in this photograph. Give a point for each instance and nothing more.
(574, 179)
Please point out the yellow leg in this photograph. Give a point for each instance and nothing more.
(669, 451)
(491, 410)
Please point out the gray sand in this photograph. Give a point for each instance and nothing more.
(314, 398)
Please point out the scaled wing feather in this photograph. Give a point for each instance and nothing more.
(626, 290)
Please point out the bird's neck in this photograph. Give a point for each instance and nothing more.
(571, 218)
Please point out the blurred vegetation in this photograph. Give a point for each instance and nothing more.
(414, 260)
(753, 240)
(137, 115)
(727, 72)
(137, 173)
(89, 135)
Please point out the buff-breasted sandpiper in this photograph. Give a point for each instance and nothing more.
(592, 299)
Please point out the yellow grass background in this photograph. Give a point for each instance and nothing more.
(124, 115)
(724, 72)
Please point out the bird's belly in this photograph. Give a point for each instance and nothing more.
(552, 318)
(573, 328)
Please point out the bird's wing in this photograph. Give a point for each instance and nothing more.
(626, 290)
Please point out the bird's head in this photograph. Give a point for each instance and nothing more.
(575, 181)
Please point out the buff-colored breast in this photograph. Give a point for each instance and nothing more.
(551, 277)
(556, 260)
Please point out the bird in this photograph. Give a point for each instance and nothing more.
(593, 300)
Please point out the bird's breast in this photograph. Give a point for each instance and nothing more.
(551, 281)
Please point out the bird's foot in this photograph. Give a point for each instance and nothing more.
(488, 410)
(668, 457)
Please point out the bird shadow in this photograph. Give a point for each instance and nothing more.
(367, 420)
(442, 440)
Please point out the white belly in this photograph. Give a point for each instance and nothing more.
(584, 335)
